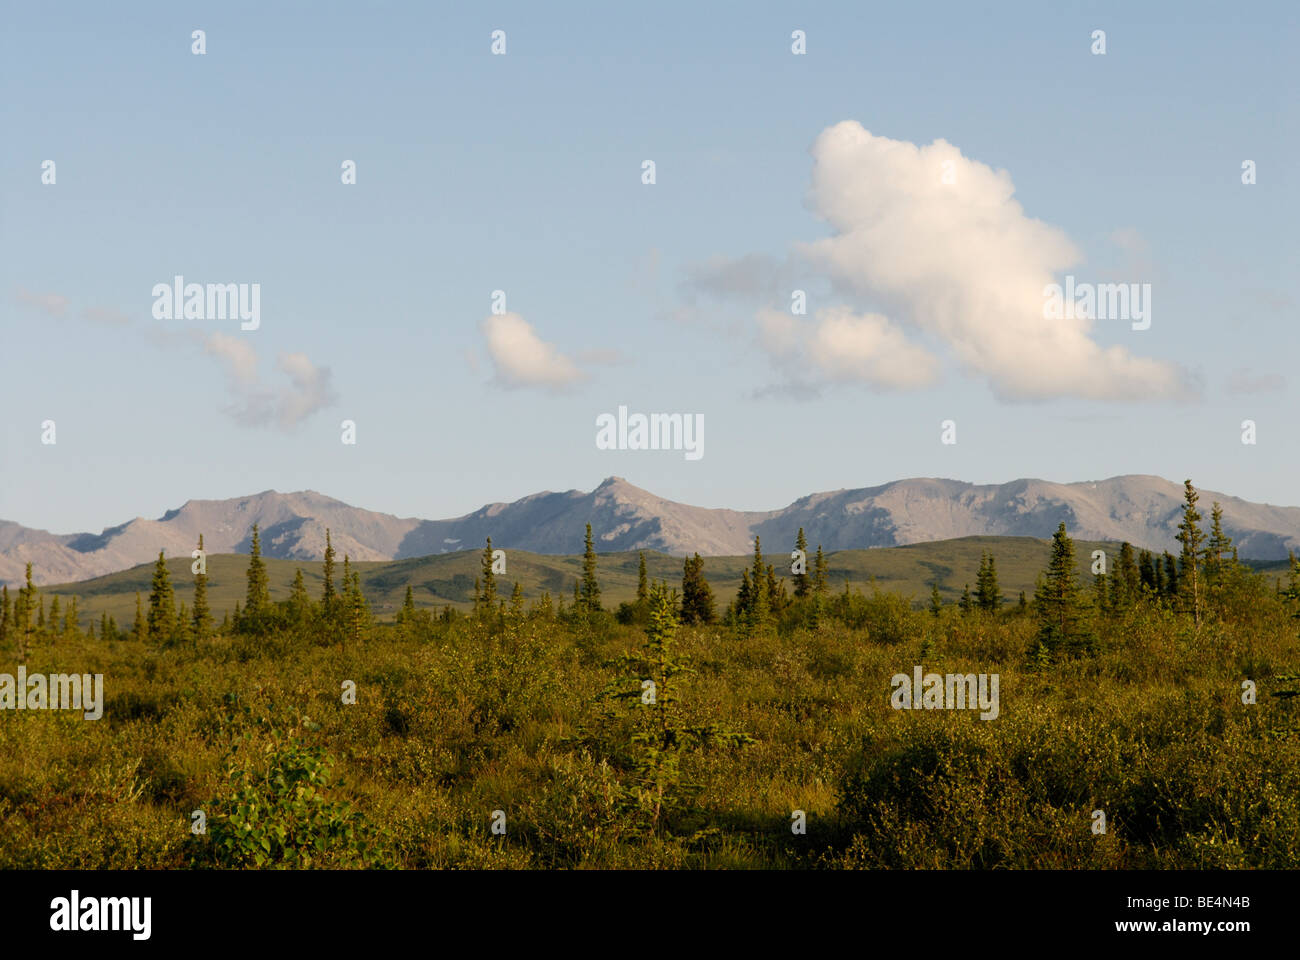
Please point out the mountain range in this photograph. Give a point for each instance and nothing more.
(1144, 510)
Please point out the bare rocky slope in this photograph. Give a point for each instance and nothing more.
(1143, 510)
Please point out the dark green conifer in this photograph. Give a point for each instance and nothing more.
(201, 619)
(162, 604)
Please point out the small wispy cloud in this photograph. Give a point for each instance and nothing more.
(53, 304)
(104, 315)
(256, 404)
(1244, 382)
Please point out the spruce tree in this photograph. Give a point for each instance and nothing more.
(819, 572)
(1171, 576)
(103, 627)
(488, 598)
(517, 602)
(25, 625)
(1147, 571)
(327, 592)
(662, 733)
(182, 624)
(1101, 592)
(758, 599)
(744, 597)
(300, 599)
(353, 603)
(72, 620)
(590, 587)
(697, 595)
(1220, 556)
(964, 603)
(642, 584)
(777, 598)
(140, 628)
(1191, 537)
(802, 584)
(1061, 622)
(55, 609)
(201, 618)
(408, 606)
(162, 604)
(936, 599)
(987, 592)
(1127, 586)
(257, 600)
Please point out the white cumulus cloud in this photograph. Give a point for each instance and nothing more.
(840, 346)
(940, 241)
(523, 359)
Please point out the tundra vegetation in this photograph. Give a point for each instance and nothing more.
(674, 731)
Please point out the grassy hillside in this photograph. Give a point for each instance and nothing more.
(448, 579)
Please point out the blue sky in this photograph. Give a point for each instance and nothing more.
(523, 173)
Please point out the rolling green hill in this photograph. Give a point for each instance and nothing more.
(448, 579)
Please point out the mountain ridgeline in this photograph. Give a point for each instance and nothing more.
(1142, 510)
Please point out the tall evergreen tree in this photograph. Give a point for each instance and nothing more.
(756, 614)
(1191, 537)
(777, 598)
(201, 618)
(1171, 575)
(819, 572)
(988, 595)
(642, 583)
(488, 598)
(1101, 592)
(1061, 621)
(517, 602)
(55, 609)
(26, 594)
(300, 599)
(1220, 556)
(356, 604)
(1147, 571)
(257, 600)
(327, 591)
(936, 599)
(162, 604)
(697, 595)
(802, 582)
(744, 597)
(590, 594)
(72, 620)
(1128, 584)
(408, 606)
(964, 604)
(140, 628)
